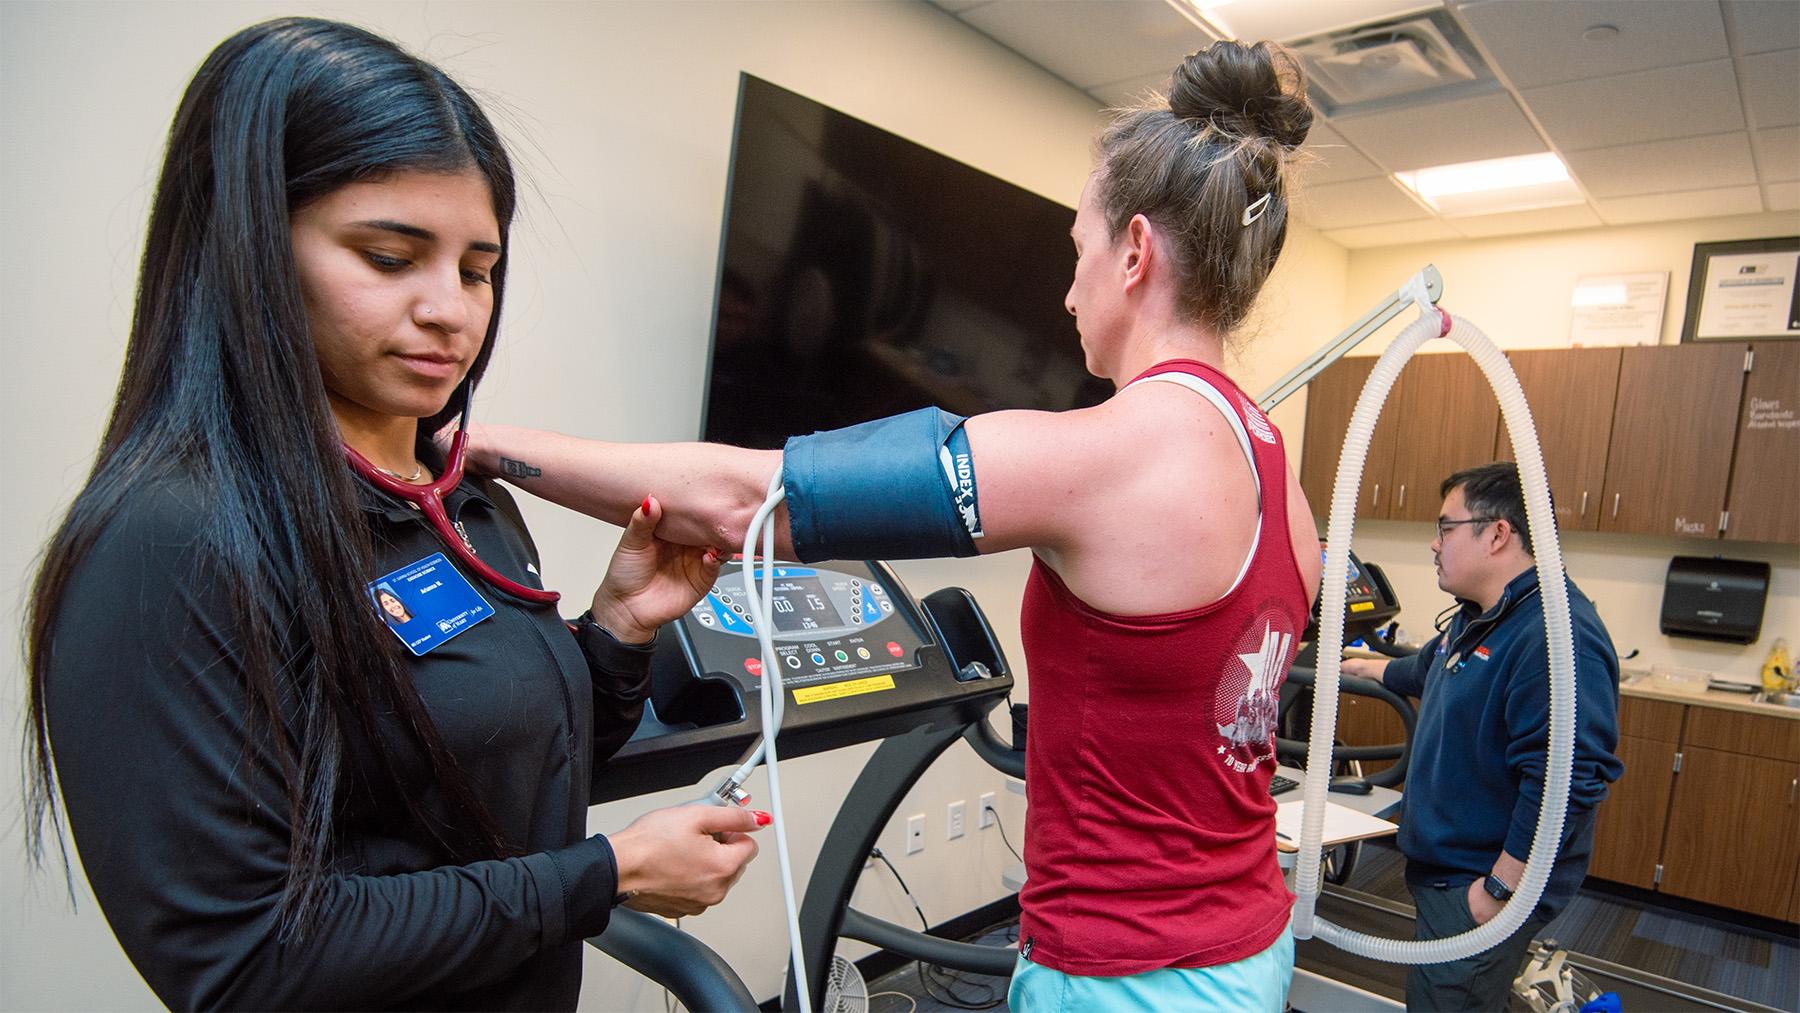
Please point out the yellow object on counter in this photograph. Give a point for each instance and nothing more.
(1778, 669)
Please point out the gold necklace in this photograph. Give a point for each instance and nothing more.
(418, 470)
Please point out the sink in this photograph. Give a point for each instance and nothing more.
(1780, 699)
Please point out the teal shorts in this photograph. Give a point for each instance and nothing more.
(1257, 982)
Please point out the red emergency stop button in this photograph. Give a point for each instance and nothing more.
(753, 666)
(894, 649)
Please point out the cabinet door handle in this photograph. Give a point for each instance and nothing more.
(1792, 786)
(1583, 513)
(1616, 503)
(1376, 501)
(1400, 504)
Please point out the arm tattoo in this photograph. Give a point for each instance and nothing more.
(519, 469)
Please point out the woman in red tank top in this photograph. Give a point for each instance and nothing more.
(1171, 542)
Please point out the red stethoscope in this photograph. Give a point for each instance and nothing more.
(429, 500)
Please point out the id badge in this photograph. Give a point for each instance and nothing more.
(427, 603)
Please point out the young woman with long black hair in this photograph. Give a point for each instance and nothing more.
(282, 800)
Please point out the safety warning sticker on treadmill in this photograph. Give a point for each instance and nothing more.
(839, 690)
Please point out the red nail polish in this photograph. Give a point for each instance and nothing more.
(646, 506)
(763, 819)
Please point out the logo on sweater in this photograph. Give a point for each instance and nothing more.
(1249, 694)
(1257, 421)
(1481, 654)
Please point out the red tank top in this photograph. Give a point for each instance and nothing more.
(1151, 838)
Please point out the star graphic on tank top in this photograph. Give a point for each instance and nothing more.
(1264, 665)
(1221, 749)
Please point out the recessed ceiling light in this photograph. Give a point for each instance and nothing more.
(1519, 183)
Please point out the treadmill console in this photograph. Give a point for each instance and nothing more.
(1369, 601)
(830, 626)
(857, 656)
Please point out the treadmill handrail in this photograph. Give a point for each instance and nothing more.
(914, 945)
(698, 977)
(1400, 753)
(1001, 756)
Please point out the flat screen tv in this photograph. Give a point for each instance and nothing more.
(863, 275)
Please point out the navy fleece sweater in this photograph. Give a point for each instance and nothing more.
(1479, 751)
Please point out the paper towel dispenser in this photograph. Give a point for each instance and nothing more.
(1715, 598)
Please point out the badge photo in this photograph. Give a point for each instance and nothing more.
(427, 603)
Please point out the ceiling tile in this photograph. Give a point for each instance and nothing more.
(1429, 230)
(1128, 92)
(1668, 207)
(1465, 130)
(1701, 98)
(1091, 42)
(1690, 163)
(1759, 26)
(1365, 202)
(1782, 197)
(1575, 216)
(1537, 42)
(1331, 160)
(1778, 154)
(1772, 87)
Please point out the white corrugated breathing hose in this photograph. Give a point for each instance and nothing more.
(1555, 592)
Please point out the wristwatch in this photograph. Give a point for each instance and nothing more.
(596, 640)
(1497, 888)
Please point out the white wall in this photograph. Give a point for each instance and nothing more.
(620, 115)
(1517, 291)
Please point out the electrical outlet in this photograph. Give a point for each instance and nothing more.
(988, 808)
(953, 819)
(915, 834)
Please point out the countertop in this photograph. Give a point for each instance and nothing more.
(1652, 686)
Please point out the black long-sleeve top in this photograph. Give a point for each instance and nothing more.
(183, 831)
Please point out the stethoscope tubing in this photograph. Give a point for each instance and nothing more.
(429, 500)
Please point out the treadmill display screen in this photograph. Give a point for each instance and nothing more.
(802, 604)
(828, 625)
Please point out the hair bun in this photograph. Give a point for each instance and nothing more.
(1245, 91)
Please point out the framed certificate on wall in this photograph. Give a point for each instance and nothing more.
(1744, 290)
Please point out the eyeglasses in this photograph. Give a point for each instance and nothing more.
(1444, 526)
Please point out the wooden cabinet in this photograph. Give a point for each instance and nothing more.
(1637, 805)
(1766, 470)
(1659, 440)
(1794, 905)
(1330, 400)
(1734, 731)
(1571, 396)
(1447, 419)
(1633, 813)
(1730, 834)
(1707, 807)
(1439, 418)
(1367, 721)
(1674, 420)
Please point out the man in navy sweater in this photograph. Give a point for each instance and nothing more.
(1479, 750)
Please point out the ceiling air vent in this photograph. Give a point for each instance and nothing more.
(1423, 58)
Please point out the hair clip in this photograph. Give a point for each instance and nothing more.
(1256, 209)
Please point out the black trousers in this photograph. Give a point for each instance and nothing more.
(1481, 982)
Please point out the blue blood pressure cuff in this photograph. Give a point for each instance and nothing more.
(896, 488)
